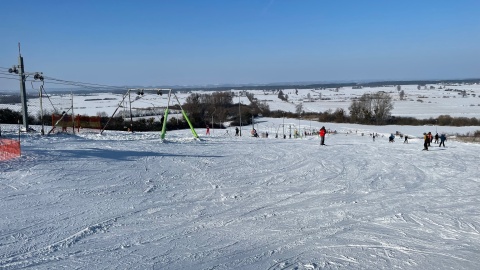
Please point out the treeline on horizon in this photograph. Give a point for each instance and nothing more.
(275, 86)
(271, 86)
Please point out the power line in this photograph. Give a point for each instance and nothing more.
(8, 73)
(85, 86)
(57, 81)
(83, 83)
(64, 82)
(9, 78)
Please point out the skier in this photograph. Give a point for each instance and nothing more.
(208, 130)
(430, 138)
(322, 135)
(425, 141)
(436, 138)
(373, 136)
(443, 138)
(236, 131)
(391, 138)
(406, 139)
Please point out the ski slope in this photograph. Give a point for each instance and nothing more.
(132, 201)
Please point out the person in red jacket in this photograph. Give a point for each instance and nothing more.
(322, 135)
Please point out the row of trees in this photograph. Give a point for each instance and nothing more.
(218, 108)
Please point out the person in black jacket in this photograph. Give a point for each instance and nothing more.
(426, 141)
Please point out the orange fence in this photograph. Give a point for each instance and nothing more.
(80, 122)
(9, 149)
(88, 122)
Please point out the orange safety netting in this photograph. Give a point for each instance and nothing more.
(9, 149)
(79, 121)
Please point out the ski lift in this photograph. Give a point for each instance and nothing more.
(37, 76)
(13, 70)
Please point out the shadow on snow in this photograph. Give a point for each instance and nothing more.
(122, 154)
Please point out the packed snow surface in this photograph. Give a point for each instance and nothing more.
(132, 201)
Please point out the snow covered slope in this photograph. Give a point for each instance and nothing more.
(132, 201)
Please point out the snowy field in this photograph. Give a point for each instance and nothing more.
(428, 101)
(132, 201)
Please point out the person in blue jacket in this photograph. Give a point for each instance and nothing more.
(443, 138)
(391, 138)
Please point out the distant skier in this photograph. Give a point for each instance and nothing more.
(406, 139)
(208, 130)
(430, 138)
(322, 133)
(443, 138)
(436, 138)
(425, 141)
(373, 136)
(391, 138)
(237, 131)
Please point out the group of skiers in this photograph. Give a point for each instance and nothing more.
(428, 138)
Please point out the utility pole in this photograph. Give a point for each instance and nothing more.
(20, 70)
(23, 94)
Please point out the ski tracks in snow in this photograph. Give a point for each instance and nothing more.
(44, 254)
(242, 203)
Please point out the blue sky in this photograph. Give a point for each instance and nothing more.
(263, 41)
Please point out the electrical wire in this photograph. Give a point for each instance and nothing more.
(84, 84)
(56, 81)
(8, 73)
(9, 78)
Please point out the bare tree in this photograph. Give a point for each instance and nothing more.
(371, 108)
(299, 108)
(402, 95)
(382, 106)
